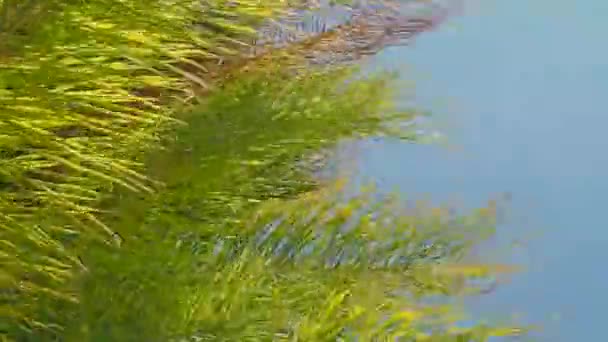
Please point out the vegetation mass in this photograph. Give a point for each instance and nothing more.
(158, 178)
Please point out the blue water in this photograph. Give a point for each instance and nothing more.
(520, 89)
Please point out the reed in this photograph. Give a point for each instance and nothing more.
(91, 92)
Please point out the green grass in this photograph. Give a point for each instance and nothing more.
(113, 212)
(228, 174)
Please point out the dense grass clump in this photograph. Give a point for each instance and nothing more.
(153, 183)
(240, 245)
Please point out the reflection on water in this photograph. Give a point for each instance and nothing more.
(532, 78)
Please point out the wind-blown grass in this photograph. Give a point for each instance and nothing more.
(73, 125)
(239, 245)
(95, 220)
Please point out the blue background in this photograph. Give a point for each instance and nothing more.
(519, 87)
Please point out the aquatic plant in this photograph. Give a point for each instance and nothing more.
(131, 129)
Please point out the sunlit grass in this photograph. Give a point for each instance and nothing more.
(116, 194)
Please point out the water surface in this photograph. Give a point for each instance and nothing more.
(519, 88)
